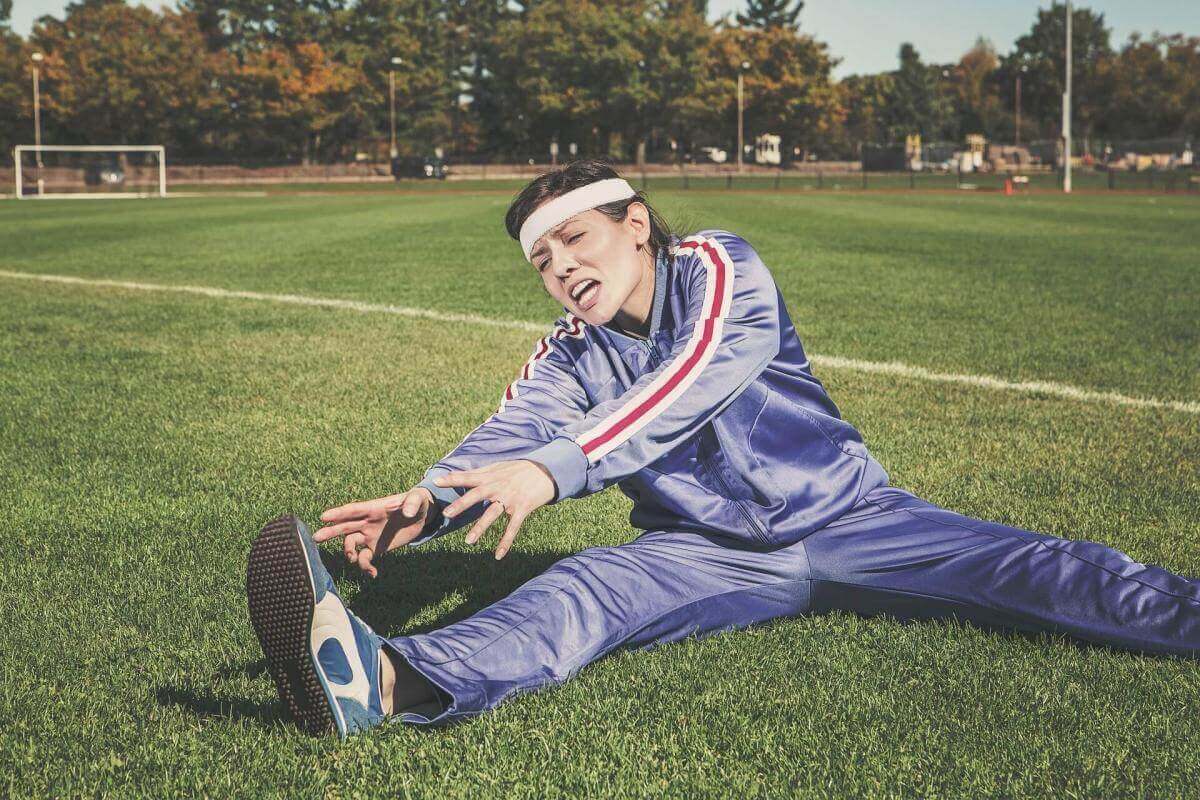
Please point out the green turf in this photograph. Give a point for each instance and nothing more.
(145, 437)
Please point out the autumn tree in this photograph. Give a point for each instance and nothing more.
(16, 124)
(121, 74)
(287, 100)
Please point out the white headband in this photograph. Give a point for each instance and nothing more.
(565, 206)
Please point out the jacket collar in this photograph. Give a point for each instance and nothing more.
(662, 269)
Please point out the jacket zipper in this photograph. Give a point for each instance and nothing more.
(755, 529)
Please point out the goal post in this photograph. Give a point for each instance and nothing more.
(93, 172)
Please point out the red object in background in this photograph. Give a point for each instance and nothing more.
(1008, 187)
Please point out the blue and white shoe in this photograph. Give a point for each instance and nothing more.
(324, 659)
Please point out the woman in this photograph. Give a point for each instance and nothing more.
(677, 374)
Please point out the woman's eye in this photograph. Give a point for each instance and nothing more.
(575, 238)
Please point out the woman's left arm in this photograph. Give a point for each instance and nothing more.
(730, 335)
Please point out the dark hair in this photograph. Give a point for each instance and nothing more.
(559, 181)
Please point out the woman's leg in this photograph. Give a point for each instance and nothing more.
(660, 587)
(900, 555)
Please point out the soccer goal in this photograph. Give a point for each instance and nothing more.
(93, 172)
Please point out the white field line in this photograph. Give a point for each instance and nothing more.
(1049, 388)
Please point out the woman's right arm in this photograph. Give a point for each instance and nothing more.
(545, 397)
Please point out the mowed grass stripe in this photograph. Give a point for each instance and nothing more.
(145, 437)
(831, 362)
(1083, 291)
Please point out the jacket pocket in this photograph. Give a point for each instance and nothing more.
(804, 462)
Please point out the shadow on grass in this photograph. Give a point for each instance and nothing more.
(206, 704)
(412, 580)
(408, 583)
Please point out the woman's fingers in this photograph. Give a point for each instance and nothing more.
(414, 501)
(490, 515)
(476, 495)
(364, 562)
(510, 534)
(464, 477)
(341, 529)
(350, 546)
(347, 512)
(363, 509)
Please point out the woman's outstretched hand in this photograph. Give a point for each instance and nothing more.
(378, 525)
(516, 488)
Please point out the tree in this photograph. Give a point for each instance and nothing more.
(16, 126)
(434, 40)
(866, 99)
(771, 14)
(238, 25)
(471, 68)
(569, 71)
(1155, 89)
(976, 99)
(1042, 52)
(1183, 74)
(674, 46)
(917, 103)
(287, 101)
(788, 88)
(119, 74)
(669, 8)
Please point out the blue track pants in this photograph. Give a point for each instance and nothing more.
(894, 553)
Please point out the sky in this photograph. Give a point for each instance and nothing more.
(866, 34)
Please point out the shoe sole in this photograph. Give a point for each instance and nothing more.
(280, 592)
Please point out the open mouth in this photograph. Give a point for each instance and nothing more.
(586, 293)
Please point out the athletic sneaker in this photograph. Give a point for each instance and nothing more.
(324, 659)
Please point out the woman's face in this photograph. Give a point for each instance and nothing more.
(594, 266)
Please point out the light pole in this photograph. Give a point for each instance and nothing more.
(641, 144)
(1023, 70)
(37, 59)
(1067, 112)
(396, 61)
(745, 65)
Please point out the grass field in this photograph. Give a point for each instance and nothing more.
(145, 436)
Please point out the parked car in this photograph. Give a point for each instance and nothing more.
(419, 167)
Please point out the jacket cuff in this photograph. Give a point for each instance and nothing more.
(567, 464)
(442, 497)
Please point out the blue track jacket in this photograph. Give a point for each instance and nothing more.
(714, 423)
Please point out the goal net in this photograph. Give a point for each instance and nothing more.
(90, 171)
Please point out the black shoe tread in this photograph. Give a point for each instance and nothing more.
(280, 596)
